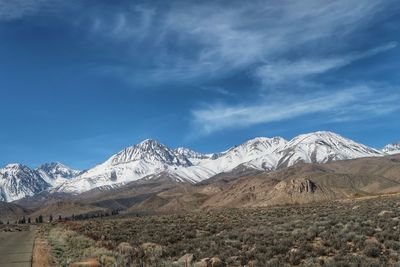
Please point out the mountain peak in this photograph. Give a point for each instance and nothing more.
(14, 166)
(150, 157)
(322, 134)
(52, 165)
(56, 166)
(261, 144)
(322, 138)
(268, 140)
(17, 181)
(149, 141)
(189, 153)
(393, 148)
(56, 173)
(323, 146)
(149, 150)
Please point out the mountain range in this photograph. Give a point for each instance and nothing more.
(151, 160)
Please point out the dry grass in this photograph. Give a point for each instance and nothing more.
(41, 254)
(357, 233)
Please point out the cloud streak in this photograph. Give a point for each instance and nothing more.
(285, 71)
(338, 105)
(17, 9)
(280, 45)
(196, 41)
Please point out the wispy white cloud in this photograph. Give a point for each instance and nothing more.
(231, 38)
(349, 104)
(292, 71)
(379, 104)
(17, 9)
(200, 40)
(195, 42)
(121, 25)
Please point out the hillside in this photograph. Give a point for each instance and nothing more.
(301, 183)
(150, 159)
(11, 212)
(67, 209)
(313, 182)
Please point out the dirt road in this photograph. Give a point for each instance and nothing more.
(16, 248)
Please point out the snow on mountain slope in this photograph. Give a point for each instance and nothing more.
(150, 157)
(18, 181)
(149, 151)
(257, 153)
(392, 149)
(132, 163)
(56, 173)
(182, 164)
(185, 165)
(194, 157)
(322, 147)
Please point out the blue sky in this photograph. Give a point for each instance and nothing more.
(80, 80)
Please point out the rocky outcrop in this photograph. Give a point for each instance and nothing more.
(296, 186)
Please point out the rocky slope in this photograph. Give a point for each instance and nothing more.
(10, 212)
(18, 181)
(305, 183)
(322, 147)
(56, 173)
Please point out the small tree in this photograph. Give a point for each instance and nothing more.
(51, 218)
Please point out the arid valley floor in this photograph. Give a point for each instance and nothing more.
(358, 232)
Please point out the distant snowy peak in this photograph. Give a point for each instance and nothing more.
(58, 170)
(255, 153)
(190, 154)
(186, 154)
(259, 145)
(18, 181)
(149, 151)
(323, 147)
(392, 149)
(151, 158)
(133, 163)
(56, 173)
(14, 168)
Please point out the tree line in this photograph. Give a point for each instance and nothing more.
(40, 218)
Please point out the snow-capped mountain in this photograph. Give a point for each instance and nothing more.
(150, 158)
(132, 163)
(193, 156)
(18, 181)
(392, 149)
(56, 173)
(149, 151)
(257, 153)
(322, 147)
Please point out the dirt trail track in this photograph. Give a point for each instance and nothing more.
(16, 248)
